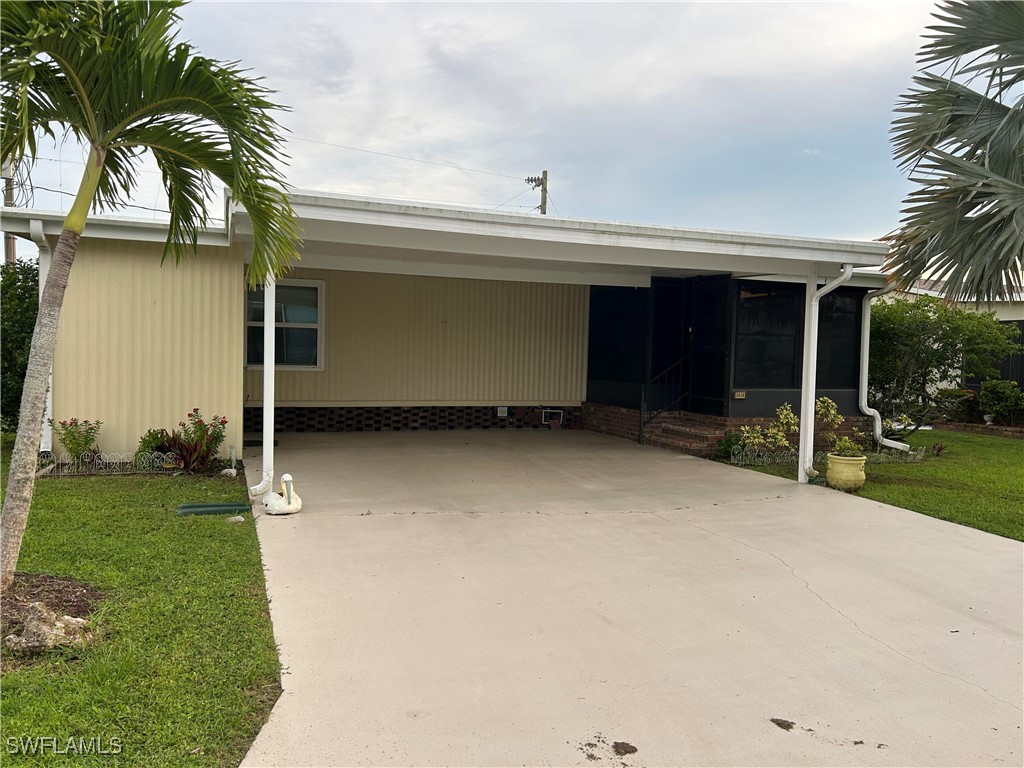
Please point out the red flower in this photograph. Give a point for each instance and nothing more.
(223, 421)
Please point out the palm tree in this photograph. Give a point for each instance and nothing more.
(965, 148)
(113, 77)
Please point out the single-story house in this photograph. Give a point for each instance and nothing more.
(403, 315)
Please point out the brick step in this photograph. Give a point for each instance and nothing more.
(680, 445)
(693, 432)
(689, 419)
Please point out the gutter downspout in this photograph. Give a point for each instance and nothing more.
(269, 366)
(810, 368)
(35, 230)
(862, 390)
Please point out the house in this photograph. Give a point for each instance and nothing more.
(412, 316)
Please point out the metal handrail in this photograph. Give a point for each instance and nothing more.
(659, 385)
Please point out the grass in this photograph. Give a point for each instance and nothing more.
(186, 670)
(977, 481)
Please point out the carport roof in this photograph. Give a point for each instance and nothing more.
(373, 235)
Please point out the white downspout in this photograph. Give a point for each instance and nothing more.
(810, 368)
(35, 230)
(865, 350)
(269, 365)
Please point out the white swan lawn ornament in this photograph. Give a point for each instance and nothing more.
(285, 503)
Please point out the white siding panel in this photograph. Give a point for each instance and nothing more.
(140, 344)
(412, 340)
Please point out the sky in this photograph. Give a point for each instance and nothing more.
(746, 116)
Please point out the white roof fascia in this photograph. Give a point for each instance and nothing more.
(400, 225)
(631, 278)
(15, 221)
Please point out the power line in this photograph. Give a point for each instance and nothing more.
(552, 201)
(519, 194)
(403, 157)
(119, 205)
(82, 162)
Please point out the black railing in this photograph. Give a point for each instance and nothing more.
(662, 393)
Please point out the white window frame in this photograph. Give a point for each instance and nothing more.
(321, 312)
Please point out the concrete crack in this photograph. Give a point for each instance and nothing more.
(852, 621)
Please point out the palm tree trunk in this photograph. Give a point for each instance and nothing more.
(21, 478)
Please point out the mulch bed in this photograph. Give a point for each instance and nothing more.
(66, 597)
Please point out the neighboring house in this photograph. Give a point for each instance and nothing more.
(413, 316)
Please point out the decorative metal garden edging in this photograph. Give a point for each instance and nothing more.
(762, 457)
(64, 464)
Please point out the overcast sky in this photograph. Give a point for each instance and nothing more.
(748, 116)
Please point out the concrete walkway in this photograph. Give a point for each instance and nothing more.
(532, 598)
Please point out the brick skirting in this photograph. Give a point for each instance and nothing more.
(625, 422)
(405, 418)
(1016, 433)
(612, 420)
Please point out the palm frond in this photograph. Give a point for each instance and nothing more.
(945, 114)
(964, 224)
(981, 39)
(113, 75)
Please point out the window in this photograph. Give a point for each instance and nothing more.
(839, 339)
(769, 317)
(298, 321)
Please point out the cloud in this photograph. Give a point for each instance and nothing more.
(696, 114)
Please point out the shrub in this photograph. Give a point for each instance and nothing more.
(1001, 398)
(78, 437)
(198, 441)
(827, 412)
(956, 404)
(19, 304)
(918, 345)
(729, 441)
(154, 441)
(774, 436)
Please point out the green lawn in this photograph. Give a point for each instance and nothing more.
(186, 670)
(977, 481)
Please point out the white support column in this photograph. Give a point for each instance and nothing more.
(807, 379)
(269, 365)
(36, 232)
(808, 393)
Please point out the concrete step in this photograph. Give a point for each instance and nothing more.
(680, 444)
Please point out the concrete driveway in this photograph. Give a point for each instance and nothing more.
(559, 598)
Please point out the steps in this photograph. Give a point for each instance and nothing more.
(678, 431)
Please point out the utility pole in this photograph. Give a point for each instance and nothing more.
(542, 182)
(9, 242)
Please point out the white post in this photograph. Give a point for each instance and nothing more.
(807, 379)
(269, 361)
(269, 365)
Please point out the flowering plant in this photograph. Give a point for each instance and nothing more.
(78, 436)
(198, 441)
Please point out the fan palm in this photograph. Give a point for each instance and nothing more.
(113, 77)
(964, 224)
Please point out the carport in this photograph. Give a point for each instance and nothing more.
(534, 597)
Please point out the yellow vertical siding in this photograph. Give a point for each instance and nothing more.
(140, 344)
(411, 340)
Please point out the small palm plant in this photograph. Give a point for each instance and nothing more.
(112, 77)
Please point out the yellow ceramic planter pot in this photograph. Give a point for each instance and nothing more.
(845, 473)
